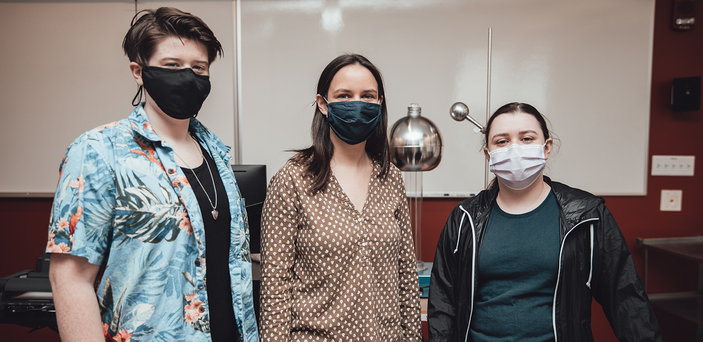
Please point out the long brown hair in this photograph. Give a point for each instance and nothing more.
(316, 158)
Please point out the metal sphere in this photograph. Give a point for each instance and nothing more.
(415, 142)
(459, 111)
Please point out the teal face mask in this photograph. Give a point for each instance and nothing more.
(353, 121)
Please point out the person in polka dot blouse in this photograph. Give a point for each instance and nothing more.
(337, 250)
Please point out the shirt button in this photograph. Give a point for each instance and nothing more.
(200, 286)
(197, 262)
(171, 171)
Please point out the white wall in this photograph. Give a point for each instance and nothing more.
(585, 64)
(64, 72)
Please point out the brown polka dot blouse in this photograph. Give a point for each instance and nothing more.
(331, 273)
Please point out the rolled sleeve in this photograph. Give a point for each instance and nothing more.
(82, 211)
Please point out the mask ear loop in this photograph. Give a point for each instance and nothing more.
(327, 103)
(314, 103)
(139, 94)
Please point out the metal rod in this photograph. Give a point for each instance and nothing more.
(489, 57)
(488, 73)
(237, 81)
(473, 121)
(418, 230)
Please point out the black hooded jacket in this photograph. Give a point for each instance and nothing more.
(594, 261)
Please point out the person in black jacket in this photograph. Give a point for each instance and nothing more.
(521, 260)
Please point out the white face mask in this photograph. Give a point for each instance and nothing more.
(517, 165)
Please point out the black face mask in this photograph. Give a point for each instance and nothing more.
(353, 121)
(178, 92)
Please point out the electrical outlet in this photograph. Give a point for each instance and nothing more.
(673, 165)
(671, 200)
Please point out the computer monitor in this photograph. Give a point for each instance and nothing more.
(251, 180)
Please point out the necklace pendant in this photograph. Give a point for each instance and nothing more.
(214, 213)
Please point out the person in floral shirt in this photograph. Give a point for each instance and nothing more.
(146, 203)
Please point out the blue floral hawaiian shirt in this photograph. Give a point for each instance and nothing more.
(123, 203)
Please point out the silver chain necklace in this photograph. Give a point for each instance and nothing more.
(214, 211)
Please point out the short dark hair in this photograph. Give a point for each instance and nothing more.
(316, 158)
(148, 27)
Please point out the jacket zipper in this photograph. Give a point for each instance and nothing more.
(473, 268)
(556, 287)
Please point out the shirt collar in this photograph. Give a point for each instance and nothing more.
(141, 126)
(204, 134)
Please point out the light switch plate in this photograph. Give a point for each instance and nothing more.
(671, 200)
(673, 165)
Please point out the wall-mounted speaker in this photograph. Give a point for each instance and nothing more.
(683, 14)
(686, 94)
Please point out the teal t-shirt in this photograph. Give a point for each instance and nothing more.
(517, 270)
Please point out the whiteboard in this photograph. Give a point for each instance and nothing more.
(585, 64)
(64, 72)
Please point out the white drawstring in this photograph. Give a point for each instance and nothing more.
(590, 273)
(556, 287)
(473, 265)
(458, 238)
(461, 223)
